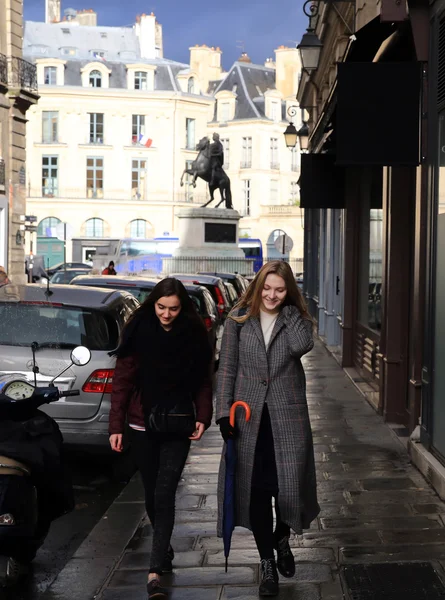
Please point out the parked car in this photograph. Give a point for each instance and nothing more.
(141, 287)
(239, 282)
(68, 265)
(54, 323)
(67, 275)
(231, 293)
(216, 287)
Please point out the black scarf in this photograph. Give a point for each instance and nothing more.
(172, 364)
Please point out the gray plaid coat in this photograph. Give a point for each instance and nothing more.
(248, 372)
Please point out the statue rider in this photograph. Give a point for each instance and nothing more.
(216, 157)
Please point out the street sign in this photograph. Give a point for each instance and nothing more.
(31, 228)
(64, 232)
(284, 244)
(31, 218)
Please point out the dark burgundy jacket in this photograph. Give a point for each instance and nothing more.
(126, 402)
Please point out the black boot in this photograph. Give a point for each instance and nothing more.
(167, 565)
(155, 591)
(269, 578)
(285, 558)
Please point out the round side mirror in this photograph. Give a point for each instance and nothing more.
(80, 356)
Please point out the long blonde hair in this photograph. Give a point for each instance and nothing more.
(251, 300)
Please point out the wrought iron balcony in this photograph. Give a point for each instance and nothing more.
(3, 69)
(21, 74)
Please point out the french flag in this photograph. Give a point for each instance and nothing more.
(144, 140)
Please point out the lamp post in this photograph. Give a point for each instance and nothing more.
(291, 134)
(303, 137)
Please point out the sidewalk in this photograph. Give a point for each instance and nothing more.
(375, 508)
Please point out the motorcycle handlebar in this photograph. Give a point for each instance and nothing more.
(69, 393)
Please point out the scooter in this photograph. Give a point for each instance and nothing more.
(34, 487)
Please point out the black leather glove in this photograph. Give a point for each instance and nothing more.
(227, 431)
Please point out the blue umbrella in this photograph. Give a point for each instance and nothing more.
(229, 484)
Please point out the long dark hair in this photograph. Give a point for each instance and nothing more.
(135, 332)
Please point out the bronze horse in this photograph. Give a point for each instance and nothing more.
(201, 167)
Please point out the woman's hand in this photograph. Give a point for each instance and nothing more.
(116, 442)
(199, 432)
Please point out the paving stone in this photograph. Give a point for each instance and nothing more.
(287, 592)
(312, 573)
(332, 590)
(92, 572)
(428, 509)
(188, 593)
(195, 516)
(194, 529)
(384, 523)
(250, 556)
(403, 483)
(204, 468)
(188, 501)
(141, 560)
(179, 544)
(409, 496)
(391, 553)
(238, 542)
(331, 540)
(424, 536)
(199, 479)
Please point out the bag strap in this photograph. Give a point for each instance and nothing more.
(239, 326)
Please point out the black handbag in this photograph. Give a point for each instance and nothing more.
(179, 419)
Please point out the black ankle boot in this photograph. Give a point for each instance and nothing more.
(167, 565)
(155, 591)
(285, 558)
(269, 578)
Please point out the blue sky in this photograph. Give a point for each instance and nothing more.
(260, 25)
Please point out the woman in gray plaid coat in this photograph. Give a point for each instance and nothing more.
(264, 340)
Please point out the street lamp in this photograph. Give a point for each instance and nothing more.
(291, 134)
(303, 137)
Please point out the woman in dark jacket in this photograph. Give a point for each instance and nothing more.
(163, 361)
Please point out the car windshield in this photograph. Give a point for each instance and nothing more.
(56, 326)
(66, 276)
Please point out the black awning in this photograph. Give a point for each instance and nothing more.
(378, 113)
(322, 183)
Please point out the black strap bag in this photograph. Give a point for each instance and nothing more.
(178, 419)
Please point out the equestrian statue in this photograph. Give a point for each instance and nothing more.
(209, 166)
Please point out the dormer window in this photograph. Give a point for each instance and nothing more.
(226, 106)
(95, 79)
(50, 74)
(68, 51)
(39, 49)
(275, 111)
(191, 85)
(224, 112)
(98, 54)
(140, 80)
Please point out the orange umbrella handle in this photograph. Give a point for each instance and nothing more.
(233, 411)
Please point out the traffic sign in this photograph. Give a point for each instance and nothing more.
(284, 244)
(64, 232)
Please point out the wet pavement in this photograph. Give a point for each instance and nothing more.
(375, 508)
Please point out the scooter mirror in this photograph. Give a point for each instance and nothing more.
(80, 356)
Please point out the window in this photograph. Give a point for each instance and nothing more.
(274, 164)
(50, 120)
(191, 85)
(274, 111)
(67, 51)
(246, 190)
(138, 170)
(140, 80)
(47, 227)
(96, 128)
(95, 177)
(138, 228)
(224, 112)
(50, 175)
(50, 75)
(294, 159)
(94, 228)
(137, 128)
(226, 145)
(274, 191)
(190, 134)
(294, 196)
(98, 53)
(246, 158)
(189, 189)
(95, 79)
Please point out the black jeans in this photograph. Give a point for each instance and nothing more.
(264, 488)
(160, 460)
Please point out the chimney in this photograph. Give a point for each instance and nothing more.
(288, 68)
(149, 33)
(244, 58)
(270, 63)
(52, 11)
(206, 62)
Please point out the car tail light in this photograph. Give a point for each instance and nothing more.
(7, 519)
(99, 382)
(208, 323)
(221, 305)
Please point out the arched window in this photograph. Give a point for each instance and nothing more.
(138, 228)
(94, 228)
(47, 227)
(95, 79)
(191, 85)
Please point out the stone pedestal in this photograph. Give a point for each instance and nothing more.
(208, 241)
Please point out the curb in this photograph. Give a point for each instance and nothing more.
(88, 570)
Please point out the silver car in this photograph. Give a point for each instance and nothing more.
(51, 322)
